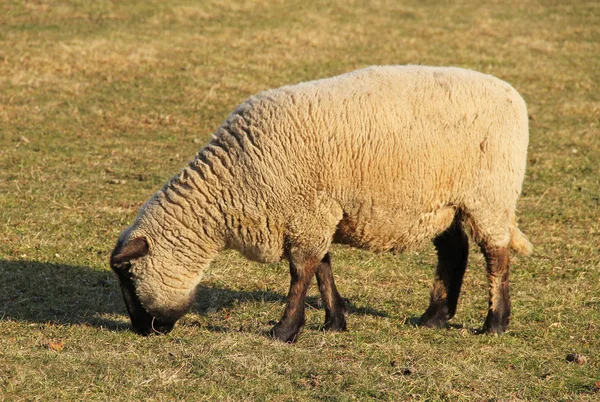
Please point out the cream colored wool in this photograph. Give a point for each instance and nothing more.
(380, 158)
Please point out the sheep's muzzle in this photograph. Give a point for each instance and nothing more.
(142, 321)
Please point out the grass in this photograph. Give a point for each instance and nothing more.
(101, 102)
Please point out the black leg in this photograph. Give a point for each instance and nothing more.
(335, 307)
(453, 252)
(288, 328)
(497, 259)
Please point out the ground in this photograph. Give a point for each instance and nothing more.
(101, 102)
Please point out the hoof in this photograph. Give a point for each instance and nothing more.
(335, 323)
(494, 324)
(436, 316)
(287, 334)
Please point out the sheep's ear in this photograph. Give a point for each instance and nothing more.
(135, 248)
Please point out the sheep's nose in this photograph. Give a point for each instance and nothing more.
(152, 326)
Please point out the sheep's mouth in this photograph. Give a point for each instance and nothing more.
(152, 326)
(143, 322)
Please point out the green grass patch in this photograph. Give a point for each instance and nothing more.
(101, 102)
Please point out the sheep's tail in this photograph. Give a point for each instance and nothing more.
(519, 242)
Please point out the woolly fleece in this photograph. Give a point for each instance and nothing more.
(382, 158)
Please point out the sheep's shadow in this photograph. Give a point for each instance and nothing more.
(41, 292)
(415, 321)
(213, 297)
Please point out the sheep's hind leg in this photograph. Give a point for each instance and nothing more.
(335, 307)
(453, 251)
(288, 328)
(497, 260)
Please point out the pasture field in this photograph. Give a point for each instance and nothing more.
(102, 101)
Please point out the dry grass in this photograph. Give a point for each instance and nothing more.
(101, 102)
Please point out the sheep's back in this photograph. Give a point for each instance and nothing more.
(398, 149)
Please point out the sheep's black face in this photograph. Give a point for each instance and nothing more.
(142, 321)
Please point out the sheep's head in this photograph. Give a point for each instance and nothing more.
(156, 289)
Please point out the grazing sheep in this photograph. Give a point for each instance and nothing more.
(383, 158)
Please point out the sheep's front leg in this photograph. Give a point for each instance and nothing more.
(288, 328)
(335, 307)
(497, 259)
(453, 250)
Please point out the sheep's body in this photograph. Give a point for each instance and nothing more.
(383, 158)
(385, 155)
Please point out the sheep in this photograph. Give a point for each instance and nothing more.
(382, 158)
